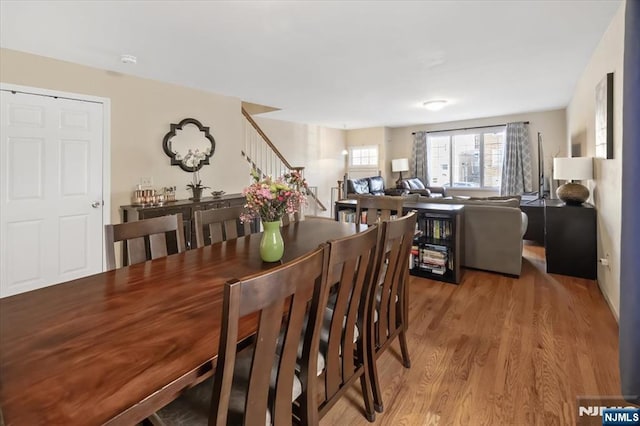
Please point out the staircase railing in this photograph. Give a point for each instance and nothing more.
(265, 158)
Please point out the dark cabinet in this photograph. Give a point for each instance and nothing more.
(570, 239)
(186, 207)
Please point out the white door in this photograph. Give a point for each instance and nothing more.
(51, 159)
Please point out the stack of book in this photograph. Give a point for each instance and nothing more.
(433, 258)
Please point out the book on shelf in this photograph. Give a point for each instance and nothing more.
(348, 216)
(437, 228)
(441, 270)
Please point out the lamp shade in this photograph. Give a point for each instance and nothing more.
(574, 168)
(400, 165)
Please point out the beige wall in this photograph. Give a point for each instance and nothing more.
(318, 149)
(552, 125)
(606, 185)
(141, 111)
(368, 137)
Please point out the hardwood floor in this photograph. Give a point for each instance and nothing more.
(496, 351)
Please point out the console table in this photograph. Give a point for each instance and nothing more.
(568, 233)
(186, 207)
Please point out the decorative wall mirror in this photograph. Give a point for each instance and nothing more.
(189, 145)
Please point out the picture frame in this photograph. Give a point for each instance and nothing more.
(604, 118)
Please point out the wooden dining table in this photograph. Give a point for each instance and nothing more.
(112, 348)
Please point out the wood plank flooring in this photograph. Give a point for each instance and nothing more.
(496, 350)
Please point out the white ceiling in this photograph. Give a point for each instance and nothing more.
(347, 64)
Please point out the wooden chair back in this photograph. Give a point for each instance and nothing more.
(287, 218)
(351, 274)
(314, 217)
(388, 301)
(144, 239)
(276, 296)
(377, 208)
(215, 225)
(396, 239)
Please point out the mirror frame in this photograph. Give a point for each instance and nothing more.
(172, 133)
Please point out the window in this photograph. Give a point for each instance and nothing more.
(364, 157)
(468, 158)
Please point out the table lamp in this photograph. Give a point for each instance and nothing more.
(399, 165)
(574, 168)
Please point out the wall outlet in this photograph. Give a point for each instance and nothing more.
(604, 261)
(146, 181)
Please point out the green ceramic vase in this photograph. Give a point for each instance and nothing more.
(272, 244)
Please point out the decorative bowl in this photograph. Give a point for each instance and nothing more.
(217, 194)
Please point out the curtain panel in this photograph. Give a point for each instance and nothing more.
(516, 167)
(419, 157)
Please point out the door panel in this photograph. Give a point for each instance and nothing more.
(73, 257)
(24, 115)
(23, 237)
(51, 151)
(25, 168)
(74, 162)
(70, 119)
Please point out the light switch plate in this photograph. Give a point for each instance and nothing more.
(146, 181)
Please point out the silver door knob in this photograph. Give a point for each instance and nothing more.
(96, 204)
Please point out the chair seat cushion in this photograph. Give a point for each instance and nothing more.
(324, 339)
(192, 407)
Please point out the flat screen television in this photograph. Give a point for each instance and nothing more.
(541, 187)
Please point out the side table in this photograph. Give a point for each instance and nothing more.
(570, 239)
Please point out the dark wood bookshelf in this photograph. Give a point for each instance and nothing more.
(439, 229)
(451, 244)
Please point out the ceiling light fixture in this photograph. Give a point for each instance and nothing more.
(435, 105)
(129, 59)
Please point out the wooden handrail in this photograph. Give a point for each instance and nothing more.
(278, 154)
(268, 141)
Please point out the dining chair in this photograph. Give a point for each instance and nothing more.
(377, 208)
(343, 341)
(288, 218)
(257, 386)
(388, 302)
(143, 239)
(215, 225)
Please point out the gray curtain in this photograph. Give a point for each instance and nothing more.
(418, 164)
(516, 167)
(630, 241)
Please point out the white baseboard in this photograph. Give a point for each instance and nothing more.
(615, 313)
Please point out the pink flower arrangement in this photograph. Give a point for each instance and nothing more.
(270, 199)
